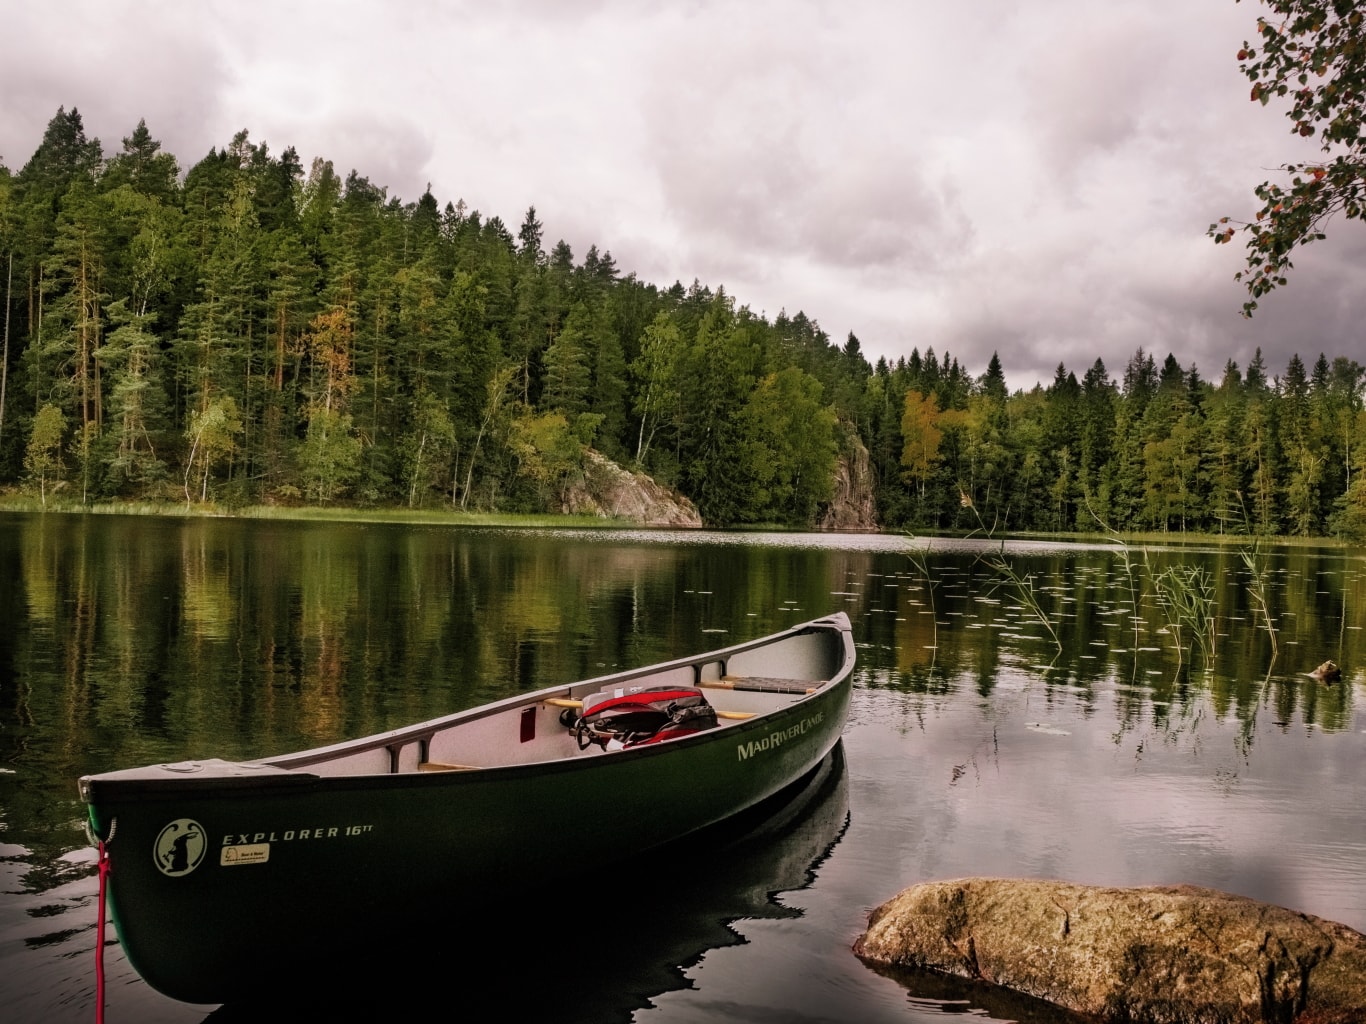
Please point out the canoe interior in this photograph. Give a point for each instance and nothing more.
(741, 683)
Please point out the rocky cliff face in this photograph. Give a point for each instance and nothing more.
(611, 492)
(852, 509)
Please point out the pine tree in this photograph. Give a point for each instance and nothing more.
(609, 395)
(1260, 451)
(718, 374)
(143, 167)
(1097, 437)
(1225, 481)
(790, 448)
(64, 159)
(1061, 441)
(75, 319)
(137, 399)
(568, 374)
(1304, 463)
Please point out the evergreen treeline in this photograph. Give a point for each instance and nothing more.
(257, 332)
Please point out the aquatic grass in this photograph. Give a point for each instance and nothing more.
(1005, 575)
(1136, 593)
(1186, 595)
(921, 564)
(1258, 589)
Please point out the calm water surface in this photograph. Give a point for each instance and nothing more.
(978, 744)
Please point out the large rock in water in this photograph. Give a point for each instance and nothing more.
(1165, 955)
(607, 490)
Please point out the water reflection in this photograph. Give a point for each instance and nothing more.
(975, 744)
(966, 625)
(598, 951)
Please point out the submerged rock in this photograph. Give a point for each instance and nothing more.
(1159, 955)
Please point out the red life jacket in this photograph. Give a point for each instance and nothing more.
(647, 715)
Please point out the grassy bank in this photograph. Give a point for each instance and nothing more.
(411, 517)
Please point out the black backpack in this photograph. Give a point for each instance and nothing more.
(647, 715)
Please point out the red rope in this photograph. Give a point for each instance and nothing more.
(99, 939)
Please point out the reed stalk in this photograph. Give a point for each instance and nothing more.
(1260, 592)
(1130, 572)
(1006, 575)
(1186, 595)
(1259, 589)
(922, 566)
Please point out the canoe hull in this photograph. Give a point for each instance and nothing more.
(221, 872)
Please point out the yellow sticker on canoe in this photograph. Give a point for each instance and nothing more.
(251, 853)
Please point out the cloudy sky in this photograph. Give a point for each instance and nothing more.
(1031, 178)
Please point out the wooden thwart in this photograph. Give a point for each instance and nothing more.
(761, 684)
(441, 766)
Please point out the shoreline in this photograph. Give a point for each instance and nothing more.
(544, 520)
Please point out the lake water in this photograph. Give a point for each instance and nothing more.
(978, 744)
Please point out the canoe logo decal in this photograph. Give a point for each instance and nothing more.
(180, 847)
(774, 740)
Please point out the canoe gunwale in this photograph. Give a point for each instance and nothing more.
(416, 732)
(292, 769)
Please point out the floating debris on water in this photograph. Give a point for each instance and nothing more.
(1047, 730)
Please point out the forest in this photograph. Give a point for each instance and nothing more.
(251, 331)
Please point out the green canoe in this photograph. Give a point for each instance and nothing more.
(221, 872)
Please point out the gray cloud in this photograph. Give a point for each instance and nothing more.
(125, 63)
(1033, 179)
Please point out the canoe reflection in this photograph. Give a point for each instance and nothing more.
(596, 952)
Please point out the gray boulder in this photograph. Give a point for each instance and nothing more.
(609, 491)
(1159, 955)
